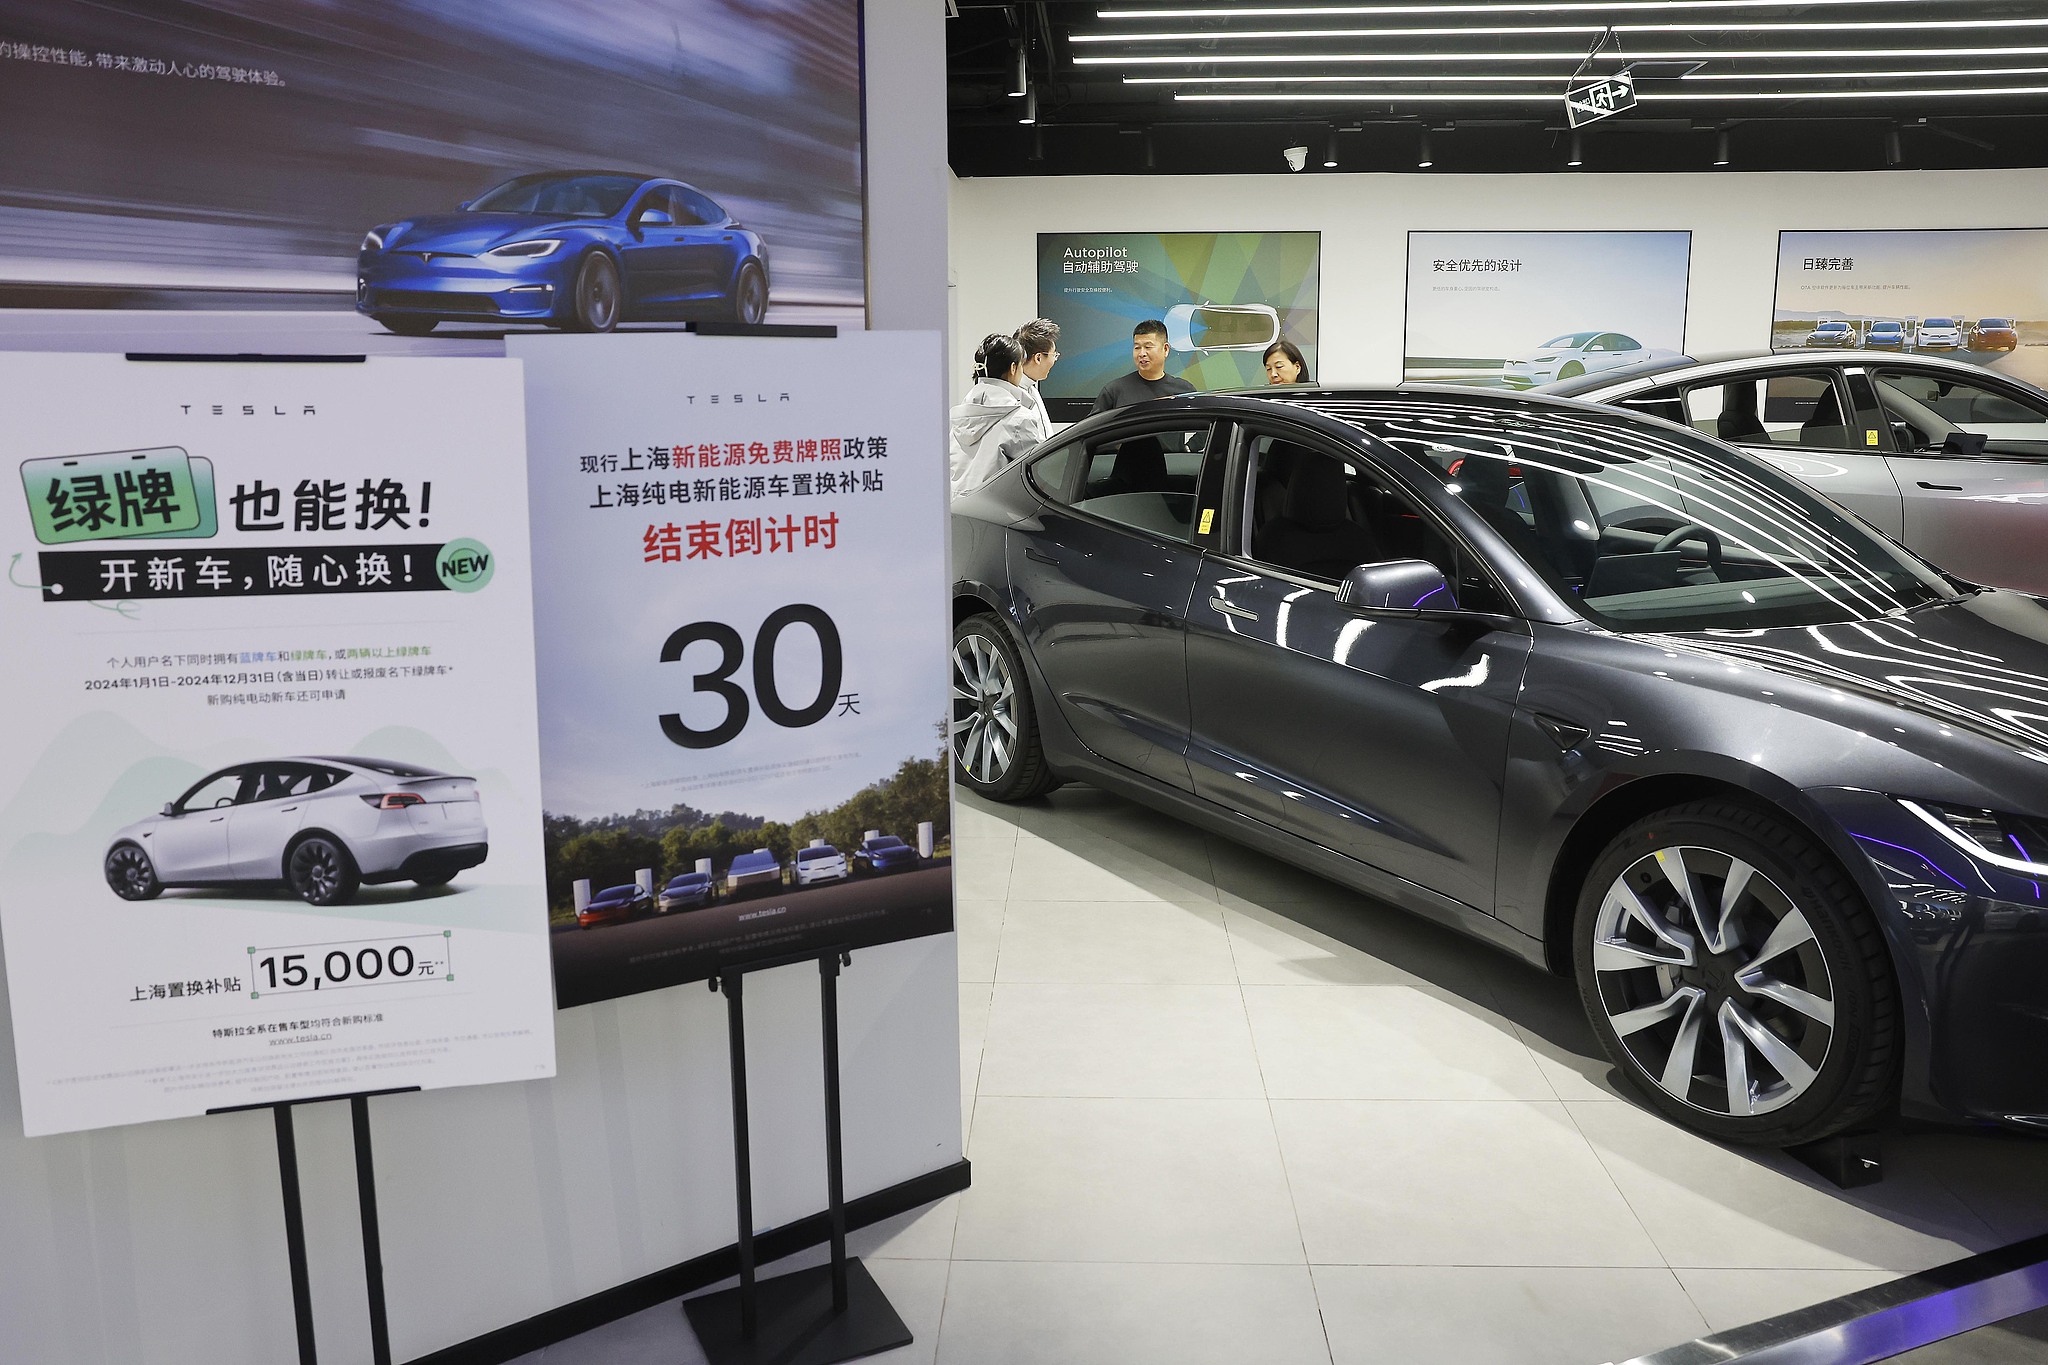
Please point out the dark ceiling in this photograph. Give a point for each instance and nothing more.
(1132, 87)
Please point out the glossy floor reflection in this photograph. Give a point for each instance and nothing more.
(1222, 1111)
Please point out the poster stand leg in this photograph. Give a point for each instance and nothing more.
(295, 1218)
(819, 1316)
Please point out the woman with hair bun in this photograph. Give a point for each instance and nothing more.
(997, 422)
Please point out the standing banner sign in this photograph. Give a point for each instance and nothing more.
(269, 815)
(738, 551)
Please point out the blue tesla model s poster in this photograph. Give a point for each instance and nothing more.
(293, 176)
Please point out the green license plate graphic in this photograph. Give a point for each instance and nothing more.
(114, 496)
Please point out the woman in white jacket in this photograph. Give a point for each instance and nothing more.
(997, 422)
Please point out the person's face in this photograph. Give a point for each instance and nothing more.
(1148, 353)
(1281, 370)
(1040, 365)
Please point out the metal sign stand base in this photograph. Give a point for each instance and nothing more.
(295, 1218)
(820, 1316)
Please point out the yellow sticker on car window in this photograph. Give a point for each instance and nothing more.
(1208, 520)
(1870, 438)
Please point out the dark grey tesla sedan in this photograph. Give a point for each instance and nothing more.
(1588, 685)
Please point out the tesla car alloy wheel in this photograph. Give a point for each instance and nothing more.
(984, 710)
(322, 872)
(1726, 976)
(597, 294)
(130, 874)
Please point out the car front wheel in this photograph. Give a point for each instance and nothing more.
(995, 744)
(131, 874)
(321, 872)
(1734, 974)
(597, 296)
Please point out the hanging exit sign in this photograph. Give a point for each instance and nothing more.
(1589, 101)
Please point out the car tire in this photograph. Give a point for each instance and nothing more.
(320, 871)
(1571, 371)
(596, 298)
(749, 303)
(1800, 992)
(993, 733)
(131, 874)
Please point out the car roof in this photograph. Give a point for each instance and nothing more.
(1615, 385)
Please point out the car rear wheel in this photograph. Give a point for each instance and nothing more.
(996, 751)
(404, 324)
(131, 874)
(321, 872)
(1734, 974)
(750, 296)
(596, 298)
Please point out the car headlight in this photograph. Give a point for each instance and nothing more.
(373, 240)
(1997, 838)
(538, 246)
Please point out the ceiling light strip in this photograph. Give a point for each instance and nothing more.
(1520, 77)
(1752, 54)
(1548, 30)
(1527, 7)
(1542, 97)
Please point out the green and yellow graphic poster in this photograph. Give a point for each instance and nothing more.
(1224, 297)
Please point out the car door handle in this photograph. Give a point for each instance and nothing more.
(1232, 609)
(1040, 556)
(216, 819)
(1941, 487)
(287, 810)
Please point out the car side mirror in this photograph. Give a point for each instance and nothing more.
(654, 218)
(1397, 585)
(170, 809)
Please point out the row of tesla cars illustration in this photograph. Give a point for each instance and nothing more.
(749, 874)
(1993, 335)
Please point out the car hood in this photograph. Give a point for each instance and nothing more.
(470, 234)
(1978, 666)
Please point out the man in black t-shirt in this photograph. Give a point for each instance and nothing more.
(1150, 379)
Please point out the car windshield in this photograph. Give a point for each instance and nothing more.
(886, 841)
(1887, 327)
(618, 893)
(1938, 322)
(1997, 324)
(805, 855)
(1574, 340)
(389, 769)
(1649, 529)
(559, 196)
(1832, 327)
(688, 879)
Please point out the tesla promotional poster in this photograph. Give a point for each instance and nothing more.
(738, 550)
(300, 176)
(1972, 294)
(1517, 309)
(269, 797)
(1224, 297)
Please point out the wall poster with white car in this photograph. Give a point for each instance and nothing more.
(1224, 297)
(1516, 310)
(739, 549)
(1978, 295)
(270, 790)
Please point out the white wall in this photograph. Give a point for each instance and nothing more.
(1734, 219)
(163, 1243)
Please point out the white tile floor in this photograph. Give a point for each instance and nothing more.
(1222, 1111)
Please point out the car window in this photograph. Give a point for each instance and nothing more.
(1146, 481)
(222, 789)
(1570, 340)
(1664, 402)
(1930, 406)
(1728, 542)
(1315, 513)
(693, 208)
(1803, 409)
(560, 196)
(1048, 473)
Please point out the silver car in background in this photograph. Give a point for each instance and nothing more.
(1949, 457)
(321, 826)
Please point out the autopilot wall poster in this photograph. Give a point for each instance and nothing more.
(269, 790)
(1972, 294)
(1518, 309)
(1224, 297)
(739, 550)
(303, 176)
